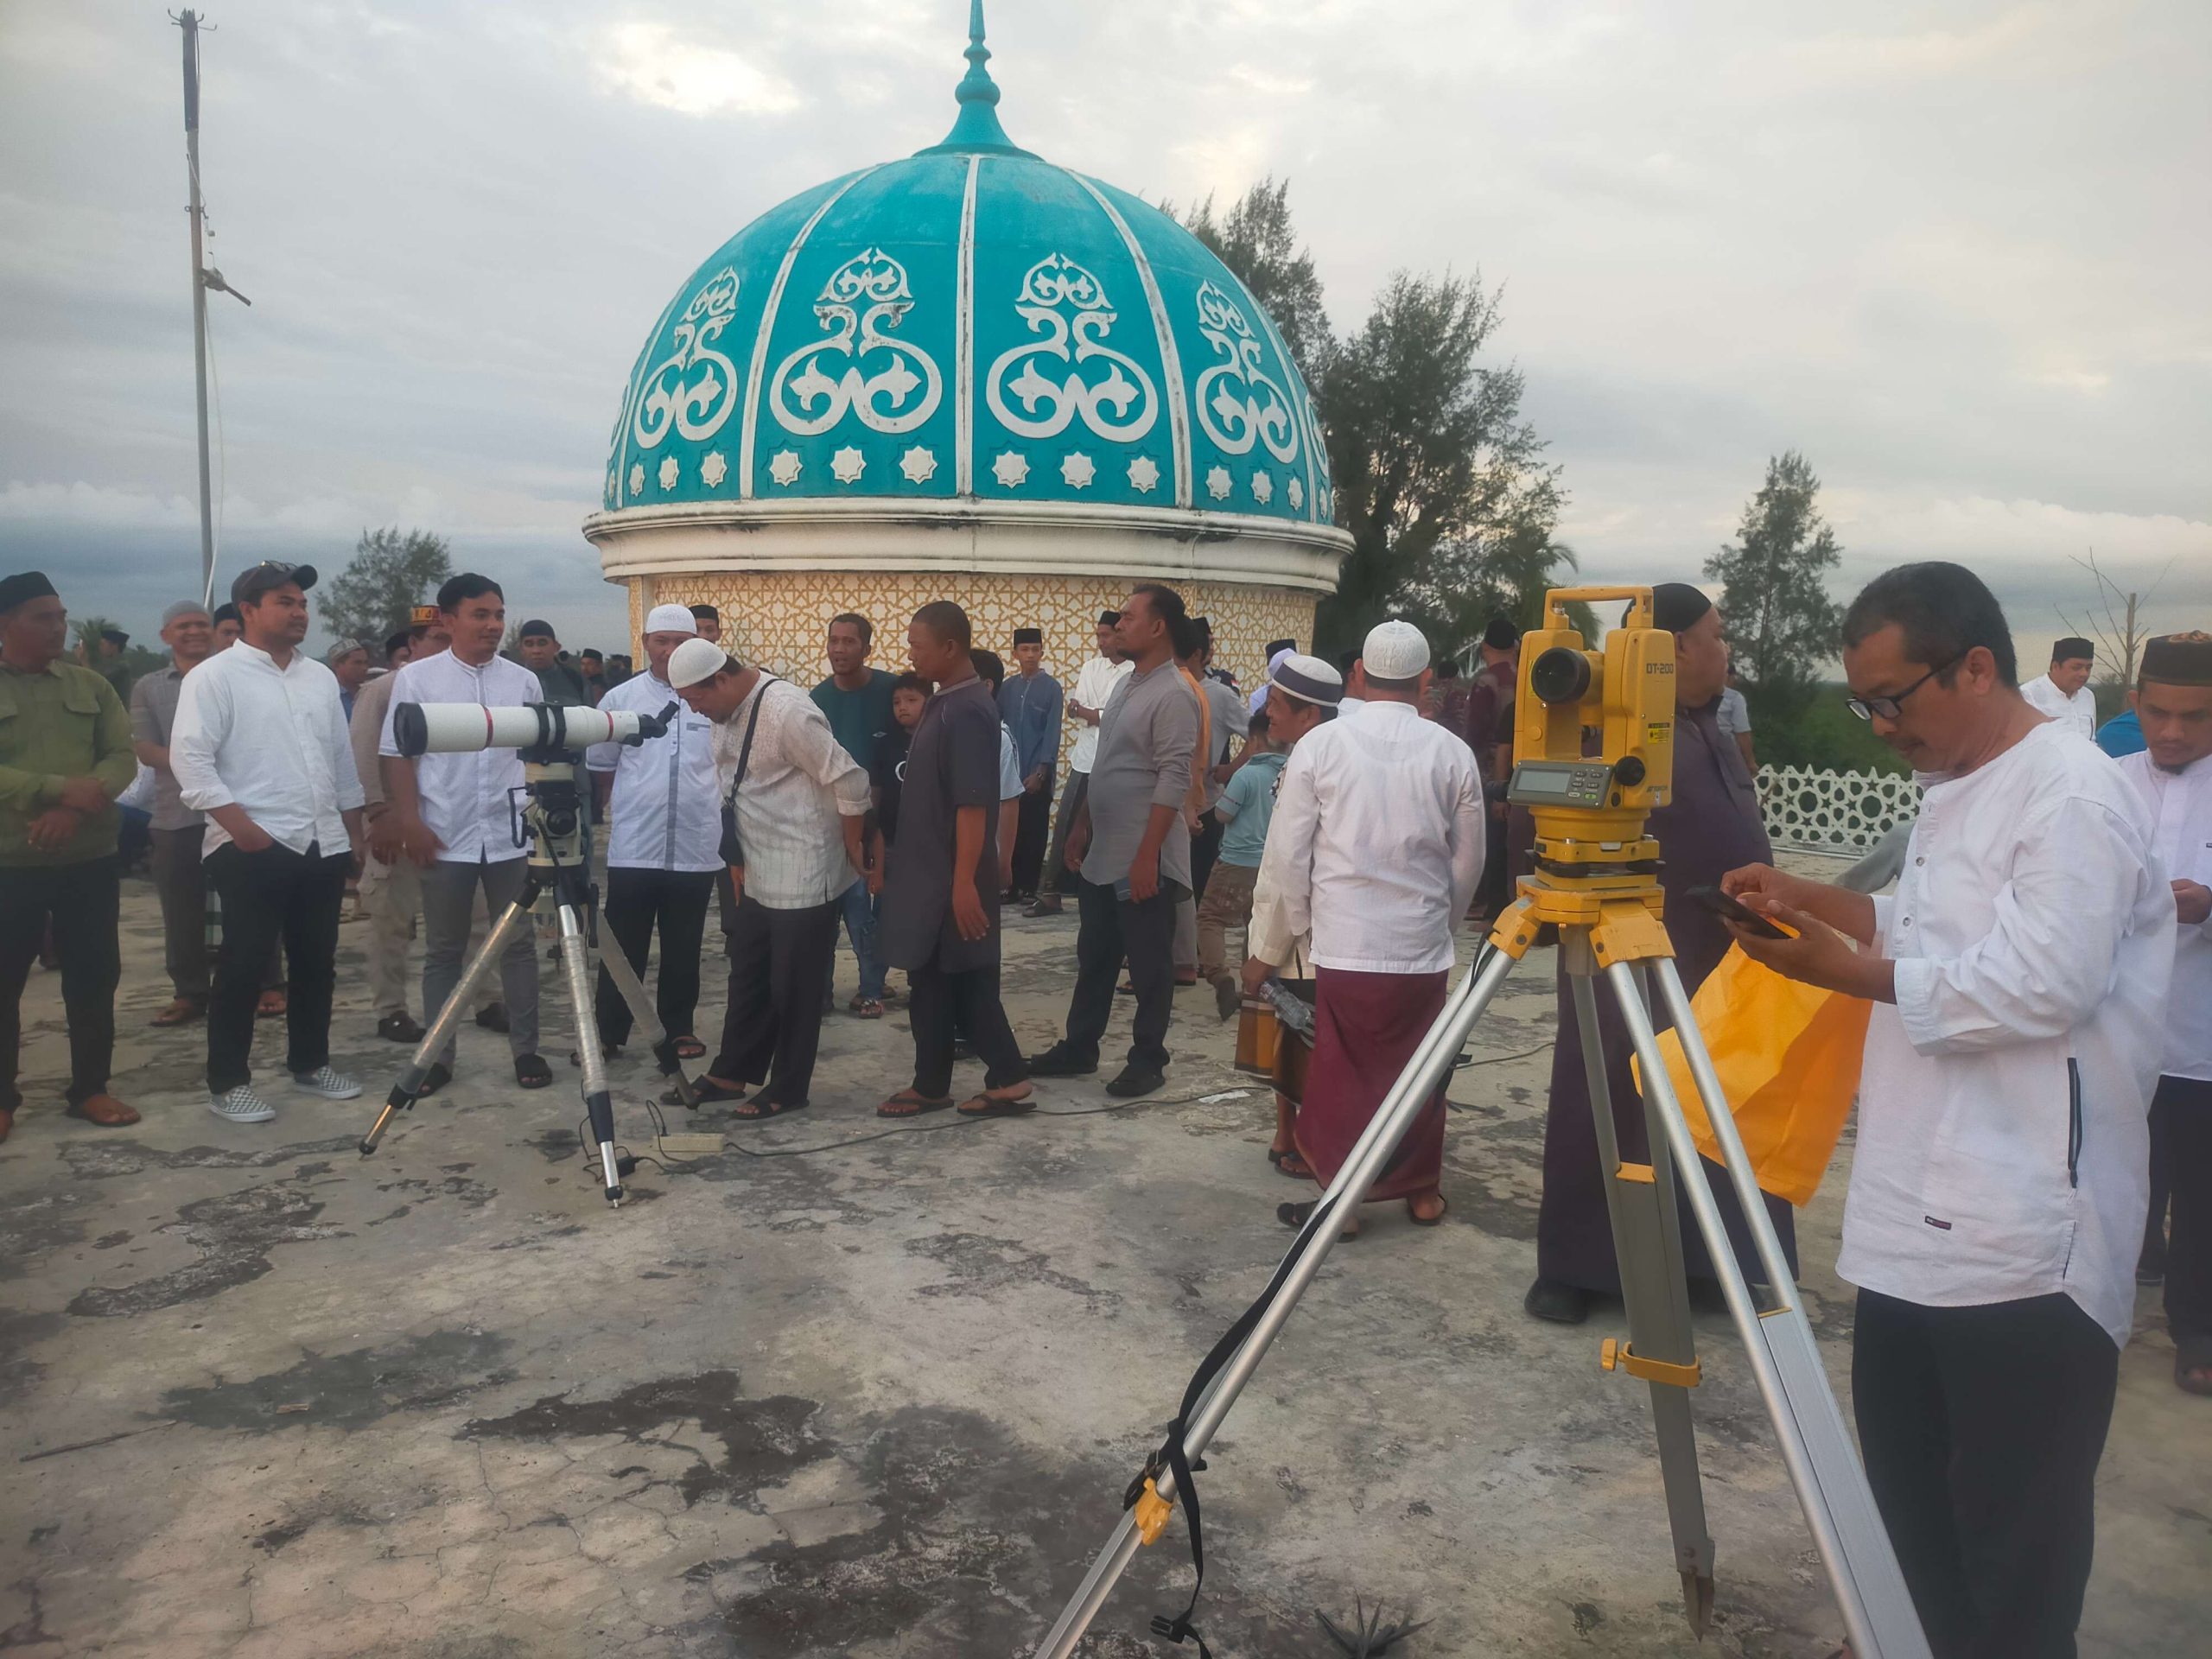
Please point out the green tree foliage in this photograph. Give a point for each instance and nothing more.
(1439, 478)
(390, 573)
(1812, 727)
(1782, 624)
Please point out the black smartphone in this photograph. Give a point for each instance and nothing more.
(1729, 909)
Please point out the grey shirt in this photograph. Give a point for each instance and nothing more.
(153, 717)
(1145, 737)
(1231, 720)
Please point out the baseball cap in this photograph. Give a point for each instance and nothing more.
(257, 580)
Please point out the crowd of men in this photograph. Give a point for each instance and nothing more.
(2034, 1128)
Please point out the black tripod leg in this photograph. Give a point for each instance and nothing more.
(480, 966)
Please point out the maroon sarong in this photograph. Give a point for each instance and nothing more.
(1366, 1028)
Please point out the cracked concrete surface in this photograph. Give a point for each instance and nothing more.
(264, 1397)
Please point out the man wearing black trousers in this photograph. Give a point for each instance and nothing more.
(2018, 980)
(941, 899)
(796, 805)
(260, 747)
(1029, 702)
(1133, 847)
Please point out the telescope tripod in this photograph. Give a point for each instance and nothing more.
(557, 868)
(1609, 927)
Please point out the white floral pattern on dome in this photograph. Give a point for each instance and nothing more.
(879, 385)
(671, 399)
(1236, 402)
(1012, 470)
(1217, 483)
(1263, 487)
(1078, 470)
(637, 479)
(1296, 492)
(785, 468)
(1144, 475)
(1067, 306)
(847, 465)
(669, 472)
(919, 464)
(713, 468)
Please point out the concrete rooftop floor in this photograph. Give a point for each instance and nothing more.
(824, 1394)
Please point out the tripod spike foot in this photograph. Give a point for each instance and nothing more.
(1697, 1600)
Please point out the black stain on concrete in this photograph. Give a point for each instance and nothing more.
(350, 1389)
(555, 1146)
(763, 1442)
(474, 1194)
(1588, 1618)
(19, 1333)
(538, 1241)
(233, 1233)
(38, 1226)
(297, 1526)
(982, 1266)
(102, 1160)
(109, 1241)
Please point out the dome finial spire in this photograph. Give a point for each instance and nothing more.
(977, 127)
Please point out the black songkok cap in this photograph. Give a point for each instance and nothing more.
(1028, 636)
(1500, 633)
(2179, 659)
(1676, 605)
(1274, 645)
(1109, 619)
(535, 629)
(706, 613)
(2067, 651)
(115, 637)
(23, 587)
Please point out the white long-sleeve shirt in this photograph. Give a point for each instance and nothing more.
(1376, 846)
(1093, 686)
(270, 739)
(2180, 804)
(2003, 1149)
(467, 800)
(799, 785)
(665, 809)
(2076, 712)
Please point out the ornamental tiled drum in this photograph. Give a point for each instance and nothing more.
(969, 374)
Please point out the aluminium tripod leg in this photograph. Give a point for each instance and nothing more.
(1430, 1065)
(647, 1021)
(485, 963)
(599, 1107)
(1816, 1448)
(1662, 1347)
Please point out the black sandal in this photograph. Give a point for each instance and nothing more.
(765, 1108)
(989, 1105)
(531, 1072)
(1297, 1215)
(434, 1079)
(705, 1093)
(1443, 1209)
(909, 1102)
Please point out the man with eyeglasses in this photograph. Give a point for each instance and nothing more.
(2019, 979)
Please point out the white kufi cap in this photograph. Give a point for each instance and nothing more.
(670, 619)
(1308, 679)
(695, 659)
(1394, 651)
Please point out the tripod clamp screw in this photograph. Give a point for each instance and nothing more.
(1152, 1513)
(1614, 1354)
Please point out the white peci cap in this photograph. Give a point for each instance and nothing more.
(1308, 679)
(1394, 651)
(694, 660)
(672, 619)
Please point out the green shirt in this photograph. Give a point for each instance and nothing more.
(858, 718)
(66, 722)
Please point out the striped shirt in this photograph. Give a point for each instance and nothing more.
(798, 783)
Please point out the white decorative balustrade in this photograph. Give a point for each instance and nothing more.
(1808, 810)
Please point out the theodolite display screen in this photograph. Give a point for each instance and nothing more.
(1559, 783)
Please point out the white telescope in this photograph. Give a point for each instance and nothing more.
(465, 727)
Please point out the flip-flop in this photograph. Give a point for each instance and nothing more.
(705, 1094)
(909, 1102)
(434, 1079)
(989, 1105)
(1294, 1166)
(2193, 1372)
(532, 1073)
(179, 1013)
(690, 1048)
(865, 1007)
(1443, 1208)
(263, 1010)
(764, 1108)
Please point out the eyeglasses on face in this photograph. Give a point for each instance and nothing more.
(1891, 708)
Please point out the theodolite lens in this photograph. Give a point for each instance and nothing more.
(1561, 675)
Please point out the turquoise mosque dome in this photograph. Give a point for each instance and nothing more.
(969, 358)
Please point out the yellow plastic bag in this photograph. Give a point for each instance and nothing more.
(1788, 1055)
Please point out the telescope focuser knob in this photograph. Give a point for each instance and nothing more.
(1630, 771)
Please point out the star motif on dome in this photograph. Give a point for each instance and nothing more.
(1217, 483)
(614, 478)
(919, 464)
(669, 472)
(1012, 470)
(637, 479)
(1296, 492)
(713, 469)
(785, 468)
(1078, 469)
(1144, 475)
(847, 465)
(1263, 488)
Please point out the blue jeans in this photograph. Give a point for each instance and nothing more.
(859, 907)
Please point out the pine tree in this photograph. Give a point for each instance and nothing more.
(1782, 624)
(390, 574)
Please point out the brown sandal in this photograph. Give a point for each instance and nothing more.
(988, 1104)
(182, 1012)
(910, 1102)
(273, 1006)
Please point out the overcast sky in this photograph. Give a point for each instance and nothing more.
(1955, 252)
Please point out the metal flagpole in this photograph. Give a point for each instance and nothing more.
(189, 22)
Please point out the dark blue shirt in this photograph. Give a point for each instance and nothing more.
(1030, 706)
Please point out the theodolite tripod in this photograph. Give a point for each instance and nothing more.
(1595, 882)
(549, 821)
